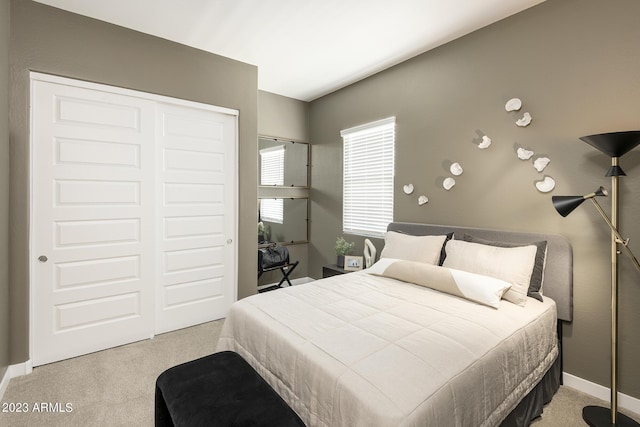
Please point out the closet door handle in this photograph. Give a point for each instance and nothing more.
(43, 259)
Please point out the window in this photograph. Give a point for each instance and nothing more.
(272, 210)
(272, 173)
(272, 166)
(368, 178)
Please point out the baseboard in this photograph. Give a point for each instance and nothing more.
(603, 393)
(13, 371)
(20, 369)
(301, 280)
(4, 383)
(298, 281)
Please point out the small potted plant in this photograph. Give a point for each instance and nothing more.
(343, 248)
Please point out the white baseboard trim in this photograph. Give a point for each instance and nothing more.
(4, 383)
(12, 372)
(603, 393)
(21, 369)
(301, 280)
(298, 281)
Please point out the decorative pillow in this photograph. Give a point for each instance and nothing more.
(483, 289)
(406, 247)
(513, 265)
(537, 276)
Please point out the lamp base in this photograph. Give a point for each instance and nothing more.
(597, 416)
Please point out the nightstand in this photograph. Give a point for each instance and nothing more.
(333, 270)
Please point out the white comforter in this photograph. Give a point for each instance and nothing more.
(361, 350)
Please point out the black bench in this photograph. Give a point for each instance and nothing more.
(220, 390)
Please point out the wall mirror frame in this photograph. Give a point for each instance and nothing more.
(284, 221)
(285, 217)
(283, 163)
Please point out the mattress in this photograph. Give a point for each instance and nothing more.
(364, 350)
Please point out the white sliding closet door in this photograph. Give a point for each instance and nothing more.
(133, 220)
(197, 208)
(93, 225)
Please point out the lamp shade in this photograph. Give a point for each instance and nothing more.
(566, 204)
(614, 144)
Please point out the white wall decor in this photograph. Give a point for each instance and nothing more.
(540, 163)
(422, 200)
(546, 185)
(524, 154)
(486, 142)
(456, 169)
(524, 121)
(448, 183)
(514, 104)
(408, 189)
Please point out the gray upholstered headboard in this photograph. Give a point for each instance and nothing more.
(558, 272)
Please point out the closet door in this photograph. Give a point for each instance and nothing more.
(93, 231)
(133, 219)
(197, 207)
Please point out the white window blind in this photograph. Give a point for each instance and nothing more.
(272, 210)
(368, 174)
(272, 173)
(272, 166)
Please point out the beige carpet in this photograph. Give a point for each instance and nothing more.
(116, 387)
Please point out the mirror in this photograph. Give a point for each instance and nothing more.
(283, 163)
(282, 220)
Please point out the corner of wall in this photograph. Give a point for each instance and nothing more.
(4, 189)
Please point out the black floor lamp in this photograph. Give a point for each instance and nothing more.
(615, 145)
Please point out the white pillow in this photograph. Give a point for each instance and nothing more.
(483, 289)
(513, 265)
(412, 248)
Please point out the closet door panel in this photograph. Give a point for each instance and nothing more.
(197, 211)
(93, 224)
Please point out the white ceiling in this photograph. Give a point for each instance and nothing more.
(304, 49)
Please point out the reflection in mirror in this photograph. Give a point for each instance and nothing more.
(282, 220)
(283, 163)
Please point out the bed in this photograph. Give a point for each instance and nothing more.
(377, 348)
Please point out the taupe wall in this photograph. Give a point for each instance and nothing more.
(4, 186)
(280, 116)
(53, 41)
(574, 63)
(286, 118)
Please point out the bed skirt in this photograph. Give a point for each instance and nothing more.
(531, 406)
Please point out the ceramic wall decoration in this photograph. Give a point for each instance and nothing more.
(408, 189)
(514, 104)
(546, 185)
(540, 163)
(524, 121)
(524, 154)
(486, 142)
(448, 183)
(456, 169)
